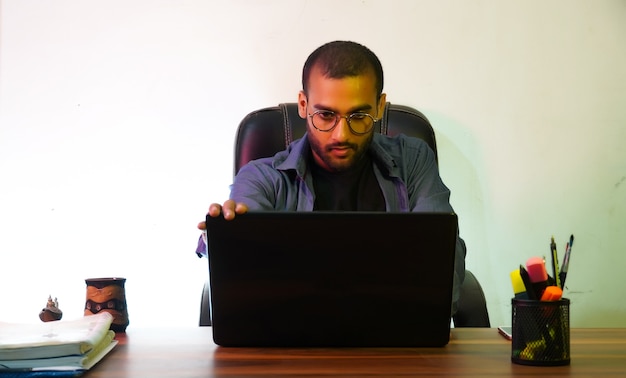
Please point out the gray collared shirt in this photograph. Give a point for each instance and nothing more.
(405, 167)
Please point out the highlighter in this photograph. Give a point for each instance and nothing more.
(552, 293)
(538, 275)
(527, 284)
(519, 289)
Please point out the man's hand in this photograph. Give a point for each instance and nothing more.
(229, 209)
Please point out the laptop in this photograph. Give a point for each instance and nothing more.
(331, 279)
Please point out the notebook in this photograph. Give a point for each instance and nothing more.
(331, 279)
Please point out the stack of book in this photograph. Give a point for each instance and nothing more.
(57, 348)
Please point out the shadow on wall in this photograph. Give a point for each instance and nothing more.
(459, 157)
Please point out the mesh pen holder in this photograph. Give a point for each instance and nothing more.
(541, 332)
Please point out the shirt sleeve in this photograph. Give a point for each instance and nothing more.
(254, 186)
(201, 250)
(427, 192)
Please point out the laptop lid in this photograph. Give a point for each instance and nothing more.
(330, 279)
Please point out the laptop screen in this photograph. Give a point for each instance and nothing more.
(332, 278)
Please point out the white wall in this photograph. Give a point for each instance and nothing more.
(117, 121)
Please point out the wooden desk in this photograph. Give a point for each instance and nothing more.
(472, 352)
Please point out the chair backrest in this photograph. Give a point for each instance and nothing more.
(264, 132)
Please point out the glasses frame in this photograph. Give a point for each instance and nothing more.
(348, 120)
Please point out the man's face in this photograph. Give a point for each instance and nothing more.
(339, 149)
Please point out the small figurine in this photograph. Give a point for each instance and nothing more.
(51, 311)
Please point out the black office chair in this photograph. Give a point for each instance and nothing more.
(264, 132)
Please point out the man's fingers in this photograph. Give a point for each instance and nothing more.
(241, 208)
(215, 209)
(228, 209)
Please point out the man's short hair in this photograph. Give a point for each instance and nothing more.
(339, 59)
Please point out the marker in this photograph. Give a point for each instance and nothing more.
(538, 275)
(518, 285)
(552, 293)
(555, 263)
(568, 251)
(530, 292)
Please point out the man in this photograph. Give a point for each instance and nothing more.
(342, 163)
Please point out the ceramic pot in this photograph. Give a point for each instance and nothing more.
(108, 294)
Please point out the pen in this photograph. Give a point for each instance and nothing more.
(555, 262)
(551, 281)
(568, 251)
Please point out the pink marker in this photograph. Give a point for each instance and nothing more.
(538, 275)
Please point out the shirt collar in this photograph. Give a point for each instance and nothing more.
(298, 150)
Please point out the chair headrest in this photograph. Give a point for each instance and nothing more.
(264, 132)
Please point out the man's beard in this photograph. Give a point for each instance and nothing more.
(340, 165)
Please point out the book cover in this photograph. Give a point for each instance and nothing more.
(42, 374)
(53, 339)
(71, 362)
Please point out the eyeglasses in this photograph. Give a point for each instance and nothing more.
(360, 123)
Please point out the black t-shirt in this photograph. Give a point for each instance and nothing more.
(354, 190)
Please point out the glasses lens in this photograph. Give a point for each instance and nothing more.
(361, 123)
(324, 120)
